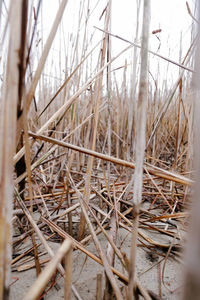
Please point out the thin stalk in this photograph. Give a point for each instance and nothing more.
(140, 142)
(70, 101)
(94, 134)
(192, 277)
(42, 281)
(8, 114)
(42, 61)
(151, 169)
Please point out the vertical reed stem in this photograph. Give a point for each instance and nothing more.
(8, 144)
(68, 274)
(192, 278)
(140, 141)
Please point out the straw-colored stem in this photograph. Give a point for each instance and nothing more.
(192, 278)
(44, 277)
(42, 61)
(140, 142)
(151, 169)
(68, 274)
(8, 113)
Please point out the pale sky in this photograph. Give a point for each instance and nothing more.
(171, 16)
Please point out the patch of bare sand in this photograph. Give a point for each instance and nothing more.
(85, 271)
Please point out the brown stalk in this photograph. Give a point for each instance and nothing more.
(43, 279)
(99, 287)
(40, 235)
(93, 133)
(152, 52)
(102, 255)
(42, 61)
(172, 93)
(78, 245)
(8, 114)
(69, 102)
(68, 273)
(151, 169)
(140, 142)
(192, 272)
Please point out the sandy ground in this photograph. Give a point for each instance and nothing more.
(85, 271)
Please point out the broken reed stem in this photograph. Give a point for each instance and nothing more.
(140, 142)
(39, 285)
(41, 237)
(152, 52)
(99, 287)
(108, 236)
(68, 273)
(151, 169)
(36, 228)
(105, 262)
(159, 190)
(79, 246)
(48, 153)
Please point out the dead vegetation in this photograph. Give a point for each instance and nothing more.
(96, 162)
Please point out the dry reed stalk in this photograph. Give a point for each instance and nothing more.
(79, 246)
(42, 61)
(172, 93)
(41, 237)
(108, 292)
(151, 169)
(110, 237)
(99, 287)
(108, 80)
(8, 120)
(140, 142)
(159, 190)
(68, 273)
(179, 119)
(141, 233)
(27, 266)
(152, 52)
(28, 168)
(52, 150)
(15, 260)
(62, 117)
(68, 79)
(70, 101)
(133, 87)
(94, 127)
(28, 96)
(102, 255)
(192, 276)
(39, 285)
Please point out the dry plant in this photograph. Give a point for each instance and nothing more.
(8, 143)
(75, 139)
(141, 111)
(192, 278)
